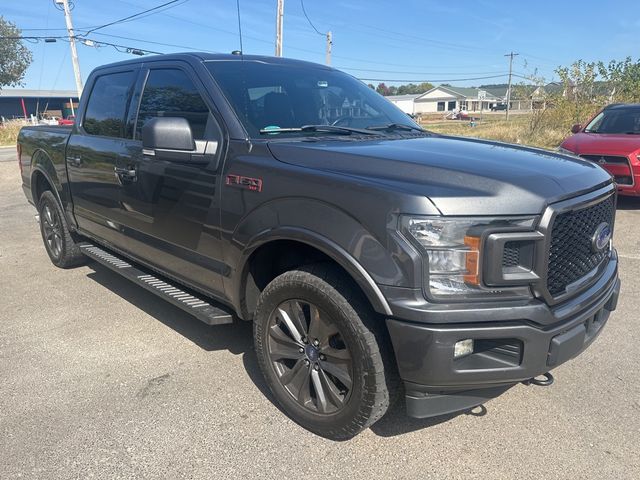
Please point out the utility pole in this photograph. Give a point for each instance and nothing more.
(279, 19)
(329, 43)
(510, 55)
(72, 44)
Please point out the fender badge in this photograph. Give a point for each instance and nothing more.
(248, 183)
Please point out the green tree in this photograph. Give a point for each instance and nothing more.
(578, 81)
(623, 79)
(15, 58)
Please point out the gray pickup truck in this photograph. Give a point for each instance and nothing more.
(374, 259)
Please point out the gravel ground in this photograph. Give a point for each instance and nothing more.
(99, 379)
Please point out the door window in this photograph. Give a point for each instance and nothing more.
(171, 93)
(107, 105)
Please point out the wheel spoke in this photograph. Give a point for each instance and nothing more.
(318, 327)
(336, 355)
(295, 332)
(282, 346)
(47, 215)
(296, 380)
(340, 370)
(332, 392)
(297, 316)
(321, 398)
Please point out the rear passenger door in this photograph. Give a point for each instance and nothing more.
(101, 140)
(171, 205)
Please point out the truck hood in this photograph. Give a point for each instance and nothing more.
(461, 176)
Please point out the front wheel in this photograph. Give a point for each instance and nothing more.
(319, 348)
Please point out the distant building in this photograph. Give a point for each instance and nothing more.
(406, 103)
(61, 103)
(446, 99)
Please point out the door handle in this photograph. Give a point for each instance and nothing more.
(127, 173)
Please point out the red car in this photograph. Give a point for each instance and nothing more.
(612, 140)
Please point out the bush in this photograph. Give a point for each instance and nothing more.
(9, 132)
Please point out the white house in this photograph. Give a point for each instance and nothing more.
(446, 99)
(406, 103)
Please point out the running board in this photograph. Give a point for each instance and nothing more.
(196, 306)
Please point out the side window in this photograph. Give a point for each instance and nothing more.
(107, 105)
(171, 93)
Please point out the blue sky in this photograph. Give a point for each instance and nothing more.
(418, 40)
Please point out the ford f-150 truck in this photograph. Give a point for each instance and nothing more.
(374, 259)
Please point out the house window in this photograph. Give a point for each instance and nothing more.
(441, 106)
(451, 106)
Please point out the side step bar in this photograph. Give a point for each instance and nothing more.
(196, 306)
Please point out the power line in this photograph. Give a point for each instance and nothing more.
(136, 15)
(430, 81)
(309, 20)
(187, 47)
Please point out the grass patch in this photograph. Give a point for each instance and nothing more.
(516, 130)
(9, 133)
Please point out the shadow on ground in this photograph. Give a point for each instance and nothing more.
(628, 203)
(237, 338)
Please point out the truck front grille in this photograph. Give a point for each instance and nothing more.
(571, 255)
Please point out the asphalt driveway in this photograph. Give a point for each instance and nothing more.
(99, 379)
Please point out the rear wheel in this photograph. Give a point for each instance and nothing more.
(58, 240)
(318, 345)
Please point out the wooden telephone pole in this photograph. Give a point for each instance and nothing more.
(510, 55)
(72, 44)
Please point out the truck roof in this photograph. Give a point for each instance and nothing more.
(204, 57)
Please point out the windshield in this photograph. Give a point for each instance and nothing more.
(618, 120)
(267, 97)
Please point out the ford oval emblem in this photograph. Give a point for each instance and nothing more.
(601, 237)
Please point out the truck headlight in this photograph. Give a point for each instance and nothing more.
(451, 248)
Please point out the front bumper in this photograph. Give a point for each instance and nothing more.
(507, 351)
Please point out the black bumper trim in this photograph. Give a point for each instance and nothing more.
(425, 405)
(424, 352)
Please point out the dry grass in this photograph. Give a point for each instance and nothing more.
(9, 133)
(517, 130)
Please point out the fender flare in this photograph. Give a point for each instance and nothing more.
(326, 246)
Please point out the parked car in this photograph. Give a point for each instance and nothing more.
(374, 259)
(612, 140)
(498, 107)
(67, 121)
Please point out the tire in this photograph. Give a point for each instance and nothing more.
(309, 297)
(58, 240)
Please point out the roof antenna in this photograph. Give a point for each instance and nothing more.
(239, 26)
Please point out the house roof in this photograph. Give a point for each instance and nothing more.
(22, 92)
(403, 97)
(465, 92)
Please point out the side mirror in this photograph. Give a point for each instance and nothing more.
(170, 138)
(576, 128)
(168, 133)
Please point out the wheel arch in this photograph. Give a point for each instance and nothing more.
(311, 246)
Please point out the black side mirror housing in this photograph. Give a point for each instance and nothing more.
(168, 133)
(576, 128)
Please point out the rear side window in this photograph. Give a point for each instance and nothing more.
(171, 93)
(107, 105)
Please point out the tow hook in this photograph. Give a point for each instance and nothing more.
(544, 380)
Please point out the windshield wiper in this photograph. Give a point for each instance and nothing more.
(315, 128)
(390, 127)
(632, 133)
